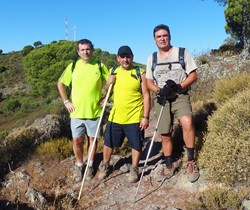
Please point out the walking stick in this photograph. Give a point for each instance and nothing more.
(97, 130)
(150, 147)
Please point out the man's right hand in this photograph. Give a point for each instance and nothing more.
(69, 106)
(161, 100)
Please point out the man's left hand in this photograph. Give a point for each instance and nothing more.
(175, 87)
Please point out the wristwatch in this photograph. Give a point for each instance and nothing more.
(146, 117)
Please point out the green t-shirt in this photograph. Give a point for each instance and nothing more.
(127, 97)
(86, 81)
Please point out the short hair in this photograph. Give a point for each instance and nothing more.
(161, 26)
(85, 41)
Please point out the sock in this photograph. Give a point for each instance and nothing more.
(79, 164)
(91, 163)
(190, 153)
(168, 160)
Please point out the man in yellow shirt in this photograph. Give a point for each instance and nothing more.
(129, 115)
(87, 80)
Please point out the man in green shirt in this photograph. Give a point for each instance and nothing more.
(87, 80)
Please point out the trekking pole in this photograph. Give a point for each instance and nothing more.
(151, 145)
(92, 148)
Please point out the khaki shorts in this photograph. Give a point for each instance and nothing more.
(179, 107)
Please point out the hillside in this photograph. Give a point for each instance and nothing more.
(28, 81)
(46, 183)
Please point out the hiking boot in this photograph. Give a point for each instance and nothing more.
(90, 173)
(133, 175)
(103, 170)
(77, 174)
(192, 171)
(165, 172)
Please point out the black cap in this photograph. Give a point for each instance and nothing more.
(125, 50)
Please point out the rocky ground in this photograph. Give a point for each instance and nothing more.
(46, 184)
(41, 185)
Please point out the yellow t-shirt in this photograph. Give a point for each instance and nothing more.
(127, 97)
(87, 81)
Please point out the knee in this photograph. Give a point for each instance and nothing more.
(78, 141)
(186, 122)
(166, 137)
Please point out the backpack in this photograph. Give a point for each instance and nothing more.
(181, 60)
(138, 74)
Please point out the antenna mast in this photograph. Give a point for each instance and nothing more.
(74, 33)
(66, 28)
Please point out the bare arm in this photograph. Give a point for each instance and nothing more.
(152, 86)
(192, 77)
(146, 103)
(62, 91)
(111, 80)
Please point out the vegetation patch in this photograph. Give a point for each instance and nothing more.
(17, 147)
(55, 149)
(227, 88)
(226, 149)
(218, 198)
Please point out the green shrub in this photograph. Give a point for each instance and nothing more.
(218, 198)
(11, 104)
(17, 147)
(226, 149)
(44, 66)
(2, 68)
(28, 103)
(3, 134)
(227, 88)
(55, 149)
(27, 49)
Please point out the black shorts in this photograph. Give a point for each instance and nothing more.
(115, 133)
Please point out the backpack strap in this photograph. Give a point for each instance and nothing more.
(113, 70)
(99, 66)
(181, 57)
(138, 73)
(154, 64)
(74, 65)
(154, 61)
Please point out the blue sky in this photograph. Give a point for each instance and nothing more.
(195, 24)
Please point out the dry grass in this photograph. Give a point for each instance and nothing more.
(227, 88)
(55, 149)
(226, 149)
(219, 198)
